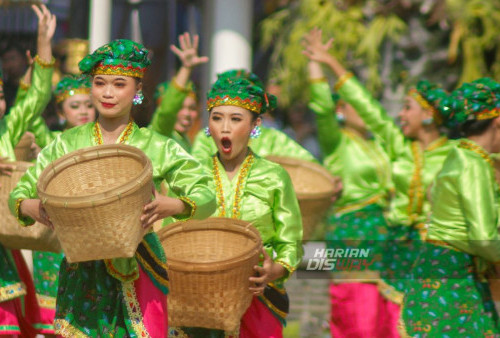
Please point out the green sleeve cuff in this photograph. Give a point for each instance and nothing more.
(23, 220)
(190, 209)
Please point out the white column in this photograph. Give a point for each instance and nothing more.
(231, 35)
(100, 23)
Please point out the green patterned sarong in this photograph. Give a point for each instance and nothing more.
(446, 298)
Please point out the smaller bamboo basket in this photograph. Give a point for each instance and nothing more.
(23, 150)
(94, 197)
(14, 236)
(314, 187)
(209, 263)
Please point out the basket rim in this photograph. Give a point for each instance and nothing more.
(311, 165)
(87, 154)
(216, 223)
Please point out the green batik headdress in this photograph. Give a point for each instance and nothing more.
(119, 57)
(428, 96)
(473, 101)
(162, 88)
(71, 85)
(243, 73)
(238, 91)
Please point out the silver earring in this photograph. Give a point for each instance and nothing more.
(340, 118)
(138, 98)
(207, 132)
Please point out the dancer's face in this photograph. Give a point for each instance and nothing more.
(412, 116)
(187, 115)
(112, 95)
(78, 110)
(3, 104)
(230, 127)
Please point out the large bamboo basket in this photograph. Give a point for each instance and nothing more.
(14, 236)
(314, 187)
(23, 150)
(209, 263)
(94, 197)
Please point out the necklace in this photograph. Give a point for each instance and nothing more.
(416, 189)
(466, 144)
(245, 168)
(124, 137)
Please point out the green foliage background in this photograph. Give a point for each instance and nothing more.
(388, 44)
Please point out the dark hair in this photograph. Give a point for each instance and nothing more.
(473, 128)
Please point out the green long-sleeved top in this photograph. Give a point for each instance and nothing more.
(267, 200)
(413, 168)
(43, 135)
(362, 164)
(185, 176)
(25, 111)
(12, 128)
(165, 115)
(270, 142)
(465, 203)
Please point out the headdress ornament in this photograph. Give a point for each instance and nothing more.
(473, 101)
(428, 96)
(71, 85)
(119, 57)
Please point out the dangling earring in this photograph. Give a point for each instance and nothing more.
(340, 117)
(207, 132)
(428, 121)
(256, 131)
(138, 98)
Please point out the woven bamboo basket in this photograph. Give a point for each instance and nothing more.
(94, 197)
(23, 150)
(209, 263)
(314, 187)
(12, 235)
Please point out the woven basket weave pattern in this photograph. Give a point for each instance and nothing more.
(209, 263)
(313, 185)
(12, 234)
(94, 197)
(23, 150)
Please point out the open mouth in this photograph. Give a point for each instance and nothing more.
(226, 145)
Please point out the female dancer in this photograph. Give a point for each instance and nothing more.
(255, 190)
(119, 297)
(447, 295)
(74, 106)
(270, 141)
(17, 314)
(177, 103)
(357, 307)
(417, 152)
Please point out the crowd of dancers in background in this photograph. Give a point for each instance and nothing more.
(424, 204)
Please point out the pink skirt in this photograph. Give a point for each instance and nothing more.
(17, 315)
(153, 304)
(359, 310)
(259, 322)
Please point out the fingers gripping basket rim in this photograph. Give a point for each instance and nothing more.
(88, 154)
